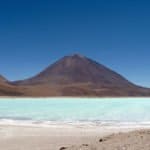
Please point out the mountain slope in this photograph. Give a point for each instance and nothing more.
(6, 89)
(2, 79)
(77, 75)
(77, 69)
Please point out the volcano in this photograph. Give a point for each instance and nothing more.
(77, 75)
(77, 69)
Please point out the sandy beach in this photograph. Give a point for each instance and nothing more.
(73, 138)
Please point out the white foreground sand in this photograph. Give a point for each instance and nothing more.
(73, 137)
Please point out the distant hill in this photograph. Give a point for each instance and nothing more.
(2, 79)
(78, 75)
(7, 89)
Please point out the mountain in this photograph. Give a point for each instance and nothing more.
(7, 89)
(2, 79)
(76, 69)
(78, 75)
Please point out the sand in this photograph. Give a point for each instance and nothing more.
(71, 137)
(137, 140)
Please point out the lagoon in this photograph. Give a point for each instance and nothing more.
(98, 111)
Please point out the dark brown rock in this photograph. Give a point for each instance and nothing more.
(63, 148)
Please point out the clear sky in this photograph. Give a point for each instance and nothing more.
(35, 33)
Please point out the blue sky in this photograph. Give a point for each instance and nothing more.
(35, 33)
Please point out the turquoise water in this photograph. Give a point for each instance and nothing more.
(75, 110)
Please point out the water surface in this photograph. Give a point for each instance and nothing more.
(75, 110)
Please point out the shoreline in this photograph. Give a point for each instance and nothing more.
(75, 97)
(75, 124)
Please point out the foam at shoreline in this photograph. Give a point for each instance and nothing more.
(110, 124)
